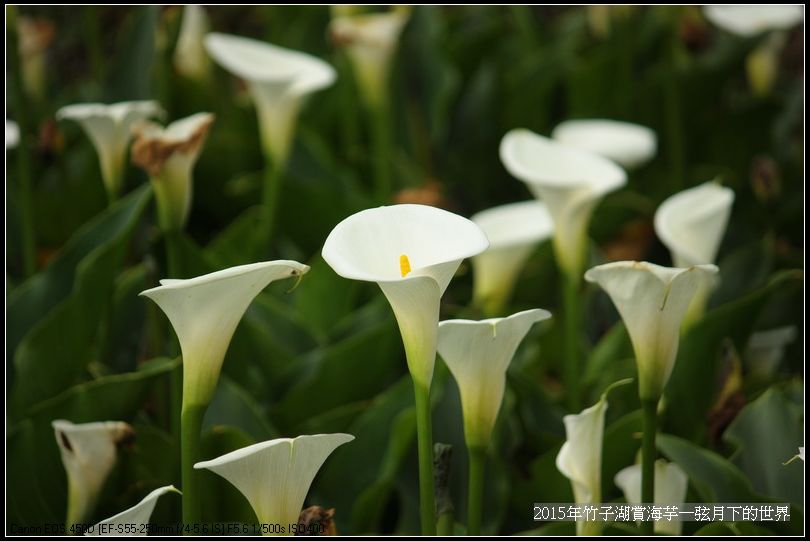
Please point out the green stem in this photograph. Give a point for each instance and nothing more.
(23, 151)
(424, 436)
(475, 489)
(571, 375)
(650, 409)
(270, 196)
(444, 526)
(191, 425)
(381, 143)
(174, 270)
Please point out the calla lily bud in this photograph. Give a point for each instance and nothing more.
(168, 155)
(275, 476)
(89, 452)
(652, 301)
(190, 58)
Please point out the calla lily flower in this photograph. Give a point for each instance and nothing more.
(627, 144)
(137, 516)
(190, 58)
(12, 134)
(168, 155)
(765, 349)
(34, 37)
(205, 311)
(109, 128)
(279, 80)
(370, 40)
(692, 224)
(275, 475)
(652, 300)
(748, 21)
(580, 458)
(570, 181)
(478, 354)
(412, 252)
(671, 484)
(88, 453)
(514, 231)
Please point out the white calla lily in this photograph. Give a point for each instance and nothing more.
(168, 155)
(279, 80)
(137, 516)
(514, 231)
(190, 58)
(12, 134)
(412, 252)
(629, 145)
(671, 484)
(765, 349)
(748, 21)
(109, 129)
(570, 181)
(370, 41)
(478, 354)
(580, 457)
(89, 452)
(692, 223)
(652, 300)
(204, 312)
(275, 475)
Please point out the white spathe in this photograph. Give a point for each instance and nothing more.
(580, 457)
(514, 231)
(412, 252)
(370, 41)
(478, 354)
(168, 155)
(12, 134)
(692, 223)
(134, 520)
(279, 80)
(89, 452)
(109, 128)
(204, 312)
(570, 181)
(652, 301)
(190, 58)
(275, 475)
(747, 21)
(671, 484)
(630, 145)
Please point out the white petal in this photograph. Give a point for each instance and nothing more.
(514, 231)
(671, 484)
(137, 516)
(570, 181)
(692, 223)
(190, 58)
(371, 41)
(108, 127)
(478, 354)
(275, 475)
(12, 134)
(88, 452)
(368, 245)
(580, 457)
(801, 453)
(629, 145)
(749, 21)
(652, 302)
(205, 311)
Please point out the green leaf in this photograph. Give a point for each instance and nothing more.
(235, 407)
(766, 433)
(715, 478)
(221, 501)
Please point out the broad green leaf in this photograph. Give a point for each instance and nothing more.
(221, 501)
(234, 407)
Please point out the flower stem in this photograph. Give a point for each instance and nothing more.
(571, 324)
(191, 424)
(174, 270)
(424, 436)
(444, 526)
(650, 409)
(381, 142)
(475, 489)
